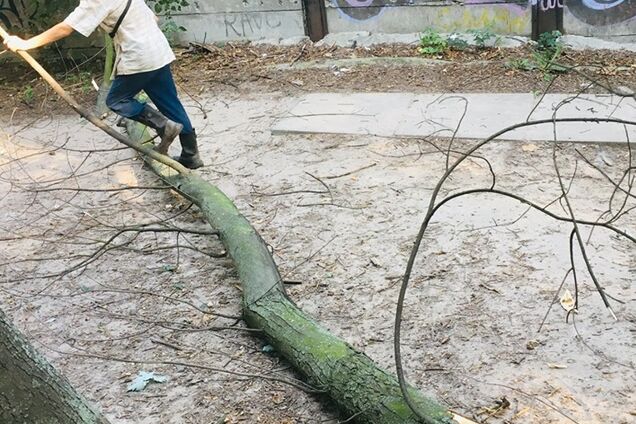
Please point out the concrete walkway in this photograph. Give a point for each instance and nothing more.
(421, 115)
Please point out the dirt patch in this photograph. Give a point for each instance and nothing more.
(486, 275)
(250, 68)
(489, 70)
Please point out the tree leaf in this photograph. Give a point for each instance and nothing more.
(567, 301)
(557, 366)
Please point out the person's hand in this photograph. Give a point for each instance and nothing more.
(15, 43)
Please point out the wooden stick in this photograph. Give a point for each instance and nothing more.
(91, 117)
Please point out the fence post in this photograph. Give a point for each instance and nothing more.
(315, 19)
(547, 16)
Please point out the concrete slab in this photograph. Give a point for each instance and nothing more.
(421, 115)
(363, 61)
(343, 39)
(290, 41)
(578, 42)
(377, 39)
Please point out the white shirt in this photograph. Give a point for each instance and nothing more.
(140, 44)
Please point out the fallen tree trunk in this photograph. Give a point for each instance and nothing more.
(365, 392)
(349, 377)
(31, 390)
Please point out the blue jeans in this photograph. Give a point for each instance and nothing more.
(158, 85)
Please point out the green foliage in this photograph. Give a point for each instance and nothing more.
(482, 36)
(522, 64)
(28, 95)
(168, 7)
(83, 80)
(432, 43)
(171, 30)
(550, 41)
(547, 52)
(456, 42)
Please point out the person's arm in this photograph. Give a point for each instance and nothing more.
(49, 36)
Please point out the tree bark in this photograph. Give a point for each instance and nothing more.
(31, 390)
(366, 393)
(350, 378)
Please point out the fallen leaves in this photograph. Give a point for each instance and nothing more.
(461, 420)
(529, 147)
(567, 301)
(532, 344)
(500, 406)
(557, 366)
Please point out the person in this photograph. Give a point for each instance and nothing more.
(143, 58)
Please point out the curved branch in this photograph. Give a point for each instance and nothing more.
(432, 208)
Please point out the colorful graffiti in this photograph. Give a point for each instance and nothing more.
(602, 12)
(592, 12)
(362, 10)
(546, 5)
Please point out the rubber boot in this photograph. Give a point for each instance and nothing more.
(189, 151)
(168, 130)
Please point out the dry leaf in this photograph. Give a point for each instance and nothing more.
(278, 398)
(461, 420)
(521, 413)
(532, 344)
(567, 301)
(529, 147)
(557, 366)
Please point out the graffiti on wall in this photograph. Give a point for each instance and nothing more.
(362, 10)
(248, 24)
(593, 12)
(602, 12)
(546, 5)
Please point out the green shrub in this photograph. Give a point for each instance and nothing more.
(550, 41)
(456, 42)
(166, 8)
(482, 36)
(432, 43)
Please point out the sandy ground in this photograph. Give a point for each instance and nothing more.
(485, 278)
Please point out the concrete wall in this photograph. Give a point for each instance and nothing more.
(614, 19)
(408, 16)
(225, 20)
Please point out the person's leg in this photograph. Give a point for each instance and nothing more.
(163, 93)
(121, 100)
(121, 97)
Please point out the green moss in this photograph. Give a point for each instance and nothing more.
(353, 381)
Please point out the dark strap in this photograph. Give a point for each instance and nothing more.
(120, 20)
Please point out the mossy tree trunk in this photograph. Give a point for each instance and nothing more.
(31, 390)
(364, 392)
(358, 386)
